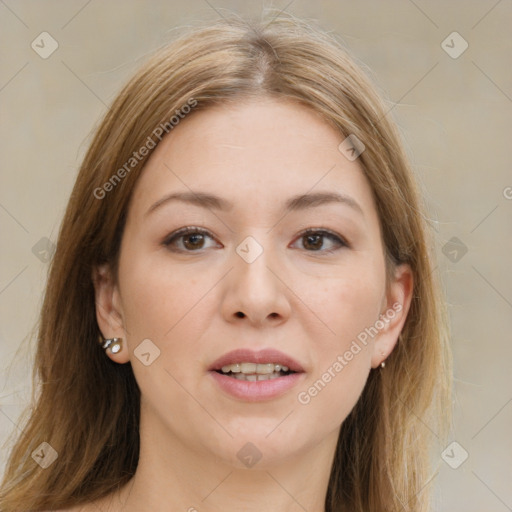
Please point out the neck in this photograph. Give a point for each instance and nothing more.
(172, 475)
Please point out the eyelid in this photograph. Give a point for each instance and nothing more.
(340, 240)
(185, 231)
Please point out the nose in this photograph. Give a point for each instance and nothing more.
(255, 292)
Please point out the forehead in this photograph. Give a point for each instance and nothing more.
(260, 151)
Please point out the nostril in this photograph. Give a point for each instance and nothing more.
(239, 314)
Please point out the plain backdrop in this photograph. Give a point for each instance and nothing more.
(454, 107)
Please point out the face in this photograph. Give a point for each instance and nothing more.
(273, 245)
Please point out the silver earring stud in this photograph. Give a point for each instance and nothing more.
(383, 364)
(115, 344)
(116, 347)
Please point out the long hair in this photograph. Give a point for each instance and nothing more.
(86, 407)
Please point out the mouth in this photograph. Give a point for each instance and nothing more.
(256, 376)
(249, 362)
(254, 372)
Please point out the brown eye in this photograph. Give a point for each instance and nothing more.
(313, 242)
(321, 241)
(187, 240)
(194, 241)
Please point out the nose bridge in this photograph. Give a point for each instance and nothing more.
(254, 288)
(253, 262)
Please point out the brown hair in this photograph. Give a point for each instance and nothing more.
(87, 407)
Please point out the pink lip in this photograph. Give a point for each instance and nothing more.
(256, 391)
(250, 356)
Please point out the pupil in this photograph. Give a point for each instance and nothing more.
(195, 239)
(314, 241)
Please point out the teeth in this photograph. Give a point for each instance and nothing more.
(253, 377)
(253, 368)
(248, 368)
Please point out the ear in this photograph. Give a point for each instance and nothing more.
(109, 314)
(394, 313)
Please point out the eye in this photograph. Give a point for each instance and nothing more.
(189, 239)
(314, 240)
(193, 239)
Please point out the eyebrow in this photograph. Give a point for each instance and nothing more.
(298, 202)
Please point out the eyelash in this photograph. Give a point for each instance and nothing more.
(169, 240)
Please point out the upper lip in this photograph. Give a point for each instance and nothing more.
(261, 357)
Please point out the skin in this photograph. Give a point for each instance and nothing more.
(310, 304)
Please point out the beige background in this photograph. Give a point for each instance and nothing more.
(456, 118)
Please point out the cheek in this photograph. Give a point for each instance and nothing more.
(349, 306)
(331, 394)
(154, 298)
(346, 303)
(172, 308)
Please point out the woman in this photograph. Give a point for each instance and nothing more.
(241, 311)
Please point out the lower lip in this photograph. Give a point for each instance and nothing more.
(256, 391)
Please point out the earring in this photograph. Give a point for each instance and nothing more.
(383, 364)
(115, 344)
